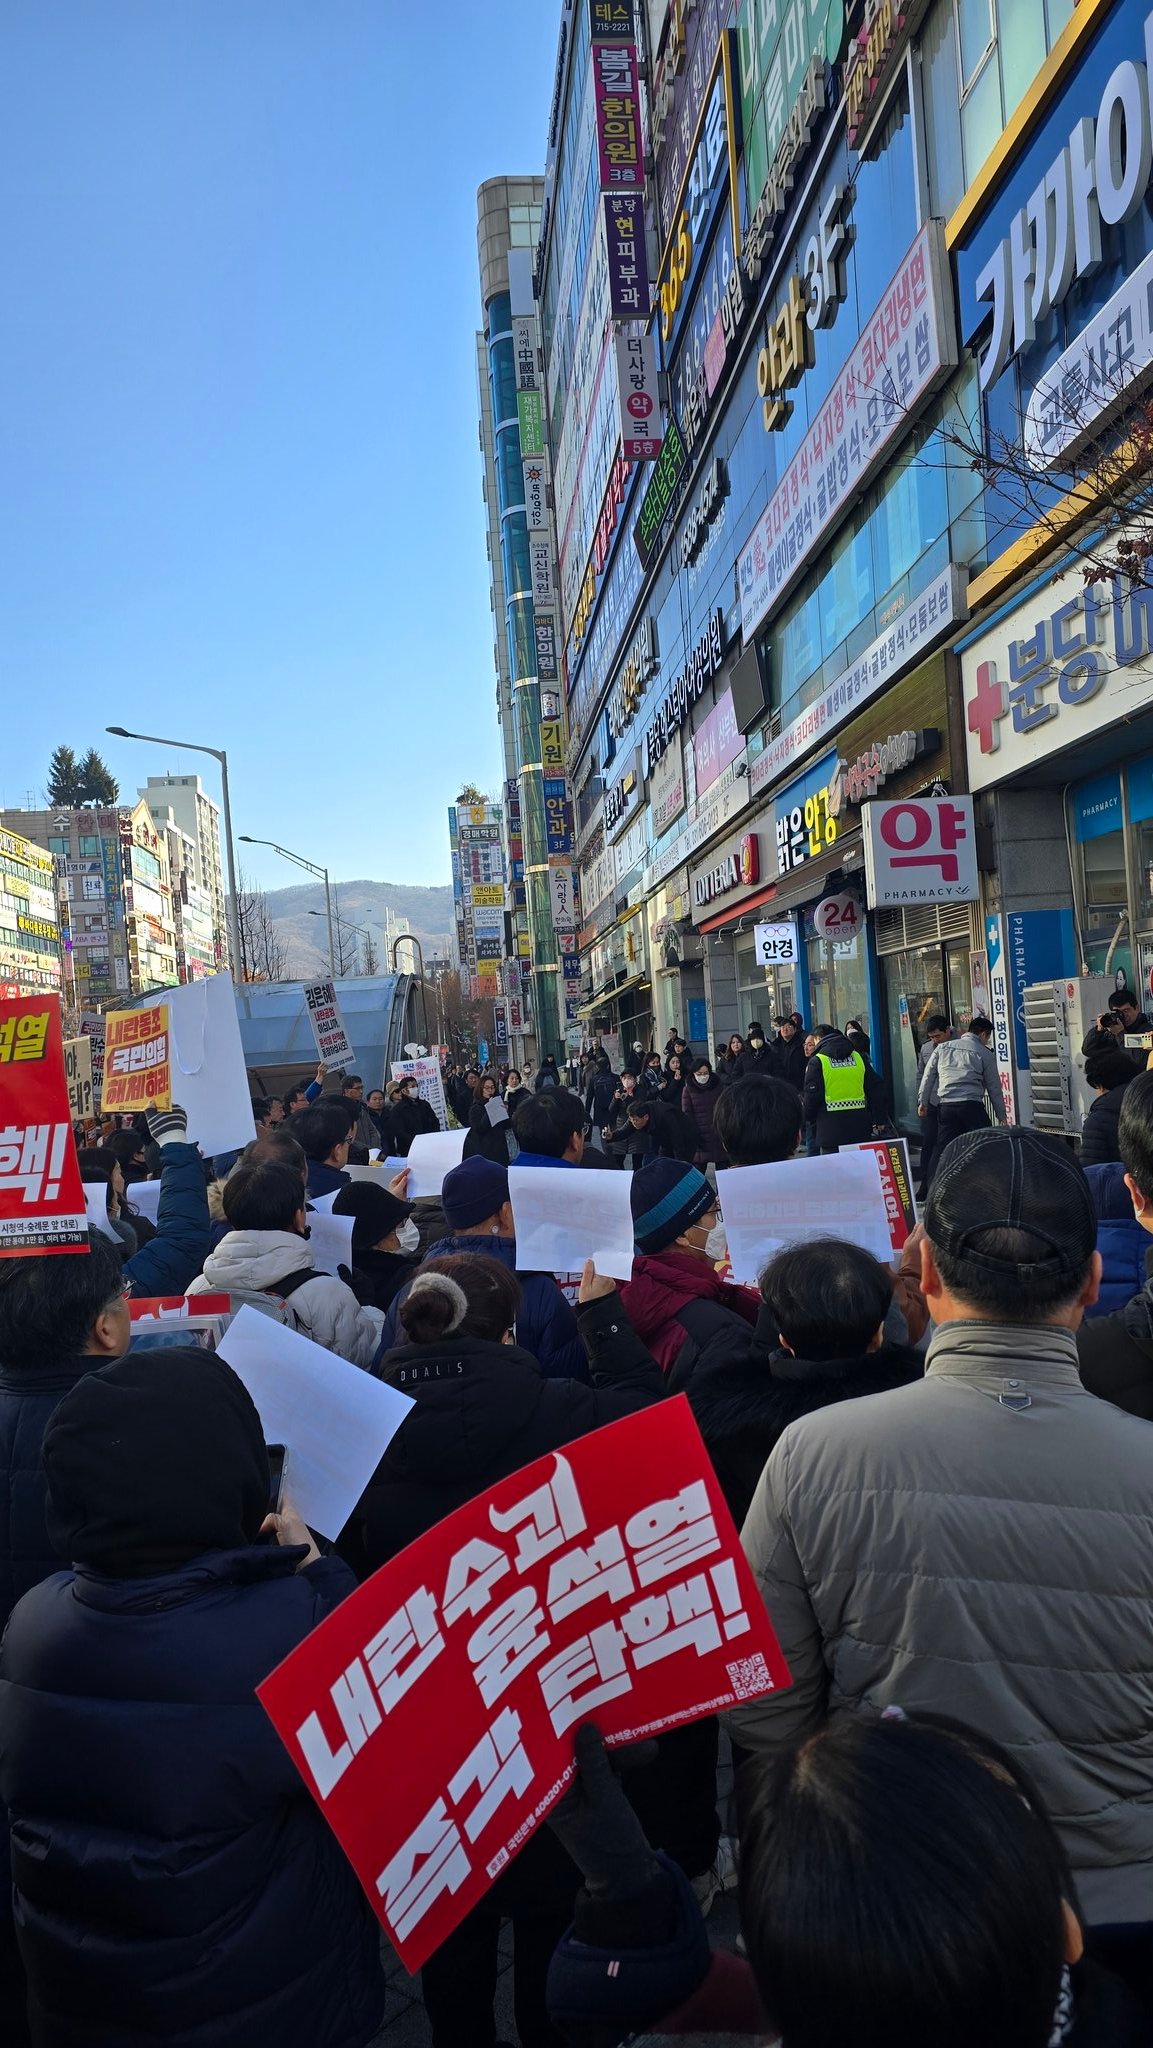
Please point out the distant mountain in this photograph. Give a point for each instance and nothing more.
(305, 938)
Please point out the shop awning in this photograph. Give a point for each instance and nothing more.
(609, 995)
(733, 917)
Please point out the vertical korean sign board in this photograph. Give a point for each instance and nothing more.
(333, 1044)
(432, 1716)
(41, 1194)
(78, 1075)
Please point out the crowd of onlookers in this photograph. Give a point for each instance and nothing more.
(942, 1831)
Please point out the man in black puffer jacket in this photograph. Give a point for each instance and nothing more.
(173, 1878)
(819, 1339)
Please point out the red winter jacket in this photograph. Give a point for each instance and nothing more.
(661, 1285)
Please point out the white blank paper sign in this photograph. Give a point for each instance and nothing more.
(335, 1421)
(766, 1207)
(431, 1156)
(563, 1217)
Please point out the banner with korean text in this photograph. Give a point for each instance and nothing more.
(41, 1194)
(432, 1716)
(333, 1043)
(137, 1060)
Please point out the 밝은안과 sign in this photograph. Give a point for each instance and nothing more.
(432, 1715)
(42, 1206)
(332, 1040)
(137, 1059)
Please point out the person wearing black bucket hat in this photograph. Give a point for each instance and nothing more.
(385, 1241)
(978, 1543)
(173, 1878)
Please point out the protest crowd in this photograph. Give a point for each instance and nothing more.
(929, 1434)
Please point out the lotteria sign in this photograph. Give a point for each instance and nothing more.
(1045, 235)
(738, 867)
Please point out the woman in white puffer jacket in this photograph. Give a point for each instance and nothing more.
(265, 1260)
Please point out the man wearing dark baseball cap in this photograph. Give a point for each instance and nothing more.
(978, 1544)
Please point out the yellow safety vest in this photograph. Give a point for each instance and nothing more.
(844, 1082)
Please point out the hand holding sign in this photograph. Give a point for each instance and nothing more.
(581, 1586)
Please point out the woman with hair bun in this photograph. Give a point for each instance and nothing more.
(482, 1409)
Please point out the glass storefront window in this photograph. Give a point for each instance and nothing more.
(919, 983)
(763, 993)
(1105, 924)
(838, 987)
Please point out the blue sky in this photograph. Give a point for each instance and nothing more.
(239, 473)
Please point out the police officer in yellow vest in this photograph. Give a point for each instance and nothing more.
(844, 1096)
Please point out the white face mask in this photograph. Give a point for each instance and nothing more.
(408, 1236)
(716, 1243)
(702, 1080)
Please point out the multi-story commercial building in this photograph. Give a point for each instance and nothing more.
(198, 816)
(193, 909)
(30, 936)
(116, 893)
(767, 560)
(482, 945)
(522, 552)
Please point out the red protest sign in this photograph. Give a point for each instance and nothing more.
(41, 1193)
(432, 1715)
(897, 1183)
(176, 1308)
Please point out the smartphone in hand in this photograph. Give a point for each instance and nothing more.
(277, 1464)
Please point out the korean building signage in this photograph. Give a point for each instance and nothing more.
(546, 653)
(776, 47)
(899, 357)
(530, 417)
(611, 21)
(660, 491)
(782, 181)
(856, 781)
(640, 411)
(616, 91)
(805, 825)
(524, 351)
(872, 61)
(920, 850)
(703, 664)
(535, 495)
(667, 789)
(1096, 175)
(926, 617)
(1074, 660)
(551, 746)
(629, 291)
(623, 799)
(811, 301)
(602, 540)
(717, 743)
(540, 566)
(736, 866)
(711, 174)
(707, 507)
(640, 665)
(683, 78)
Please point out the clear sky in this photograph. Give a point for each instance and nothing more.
(239, 472)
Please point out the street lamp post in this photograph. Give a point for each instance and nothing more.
(298, 858)
(218, 754)
(345, 924)
(409, 939)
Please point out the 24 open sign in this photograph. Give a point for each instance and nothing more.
(776, 944)
(837, 917)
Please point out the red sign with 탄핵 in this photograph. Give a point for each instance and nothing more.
(41, 1192)
(432, 1716)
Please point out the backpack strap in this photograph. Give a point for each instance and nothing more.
(291, 1281)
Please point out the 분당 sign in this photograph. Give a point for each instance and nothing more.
(137, 1060)
(42, 1206)
(604, 1581)
(333, 1044)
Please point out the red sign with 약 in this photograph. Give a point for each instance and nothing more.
(432, 1716)
(41, 1192)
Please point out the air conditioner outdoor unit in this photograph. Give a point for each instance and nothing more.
(1057, 1016)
